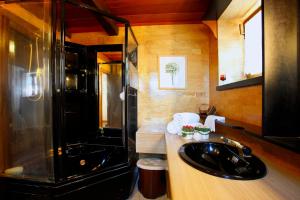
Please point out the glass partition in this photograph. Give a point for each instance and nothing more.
(25, 91)
(110, 87)
(86, 89)
(93, 73)
(91, 52)
(132, 60)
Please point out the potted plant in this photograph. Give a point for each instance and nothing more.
(187, 132)
(201, 133)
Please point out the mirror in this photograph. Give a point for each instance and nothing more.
(240, 41)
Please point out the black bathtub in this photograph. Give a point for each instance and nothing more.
(93, 171)
(84, 158)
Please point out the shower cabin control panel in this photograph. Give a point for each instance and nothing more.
(75, 69)
(80, 99)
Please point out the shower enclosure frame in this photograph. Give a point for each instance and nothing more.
(47, 190)
(58, 88)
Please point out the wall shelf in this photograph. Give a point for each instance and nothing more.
(242, 83)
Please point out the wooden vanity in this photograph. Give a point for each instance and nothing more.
(281, 182)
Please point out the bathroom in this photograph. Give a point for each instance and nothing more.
(82, 91)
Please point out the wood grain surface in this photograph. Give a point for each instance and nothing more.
(281, 182)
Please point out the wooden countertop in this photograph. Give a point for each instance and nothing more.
(281, 182)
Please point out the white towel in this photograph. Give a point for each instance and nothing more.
(210, 121)
(173, 127)
(183, 119)
(186, 117)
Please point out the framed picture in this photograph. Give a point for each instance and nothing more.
(133, 57)
(172, 72)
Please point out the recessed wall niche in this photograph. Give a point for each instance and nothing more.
(240, 41)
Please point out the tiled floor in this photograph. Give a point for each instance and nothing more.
(136, 195)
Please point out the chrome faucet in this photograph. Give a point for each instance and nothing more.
(244, 151)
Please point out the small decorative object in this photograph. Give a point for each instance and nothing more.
(223, 77)
(201, 133)
(172, 72)
(248, 75)
(203, 109)
(187, 132)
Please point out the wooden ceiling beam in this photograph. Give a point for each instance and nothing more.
(108, 25)
(27, 16)
(166, 18)
(84, 29)
(137, 12)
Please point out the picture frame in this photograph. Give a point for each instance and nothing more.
(133, 57)
(172, 72)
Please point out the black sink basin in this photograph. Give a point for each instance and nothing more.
(222, 160)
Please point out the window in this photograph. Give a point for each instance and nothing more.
(240, 41)
(253, 45)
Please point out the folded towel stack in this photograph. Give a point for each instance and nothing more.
(182, 119)
(210, 121)
(186, 117)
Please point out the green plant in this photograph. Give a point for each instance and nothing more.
(172, 68)
(202, 129)
(187, 130)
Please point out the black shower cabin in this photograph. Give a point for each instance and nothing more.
(68, 101)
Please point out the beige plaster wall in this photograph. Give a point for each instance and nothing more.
(231, 50)
(192, 41)
(241, 104)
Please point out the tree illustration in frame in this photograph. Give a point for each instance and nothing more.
(172, 68)
(172, 72)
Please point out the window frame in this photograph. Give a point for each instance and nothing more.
(244, 33)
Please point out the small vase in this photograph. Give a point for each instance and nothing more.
(198, 136)
(205, 136)
(187, 135)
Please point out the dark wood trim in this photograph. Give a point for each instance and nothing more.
(112, 62)
(263, 66)
(291, 143)
(256, 132)
(242, 83)
(216, 9)
(108, 24)
(132, 34)
(5, 159)
(108, 48)
(252, 15)
(100, 12)
(253, 129)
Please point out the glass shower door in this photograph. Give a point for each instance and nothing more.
(25, 91)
